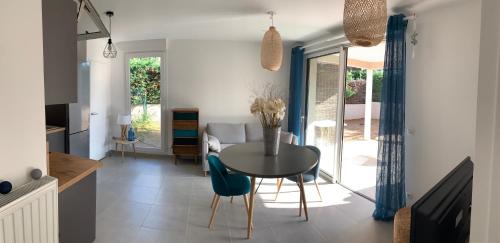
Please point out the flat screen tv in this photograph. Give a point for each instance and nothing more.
(443, 214)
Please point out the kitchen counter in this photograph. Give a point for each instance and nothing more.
(77, 180)
(70, 169)
(54, 129)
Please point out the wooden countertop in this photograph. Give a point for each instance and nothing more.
(54, 129)
(70, 169)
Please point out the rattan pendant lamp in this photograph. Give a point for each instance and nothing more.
(271, 50)
(365, 21)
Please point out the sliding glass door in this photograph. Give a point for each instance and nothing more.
(342, 113)
(325, 72)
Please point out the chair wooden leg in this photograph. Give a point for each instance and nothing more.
(246, 202)
(231, 199)
(214, 211)
(246, 206)
(317, 188)
(213, 201)
(280, 182)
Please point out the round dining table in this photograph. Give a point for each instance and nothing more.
(249, 159)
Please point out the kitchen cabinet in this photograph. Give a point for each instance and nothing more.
(76, 178)
(60, 51)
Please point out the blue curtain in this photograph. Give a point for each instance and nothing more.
(296, 92)
(391, 192)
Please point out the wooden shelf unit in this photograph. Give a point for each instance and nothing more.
(185, 133)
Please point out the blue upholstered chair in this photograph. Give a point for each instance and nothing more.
(225, 184)
(308, 176)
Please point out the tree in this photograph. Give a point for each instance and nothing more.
(378, 76)
(145, 82)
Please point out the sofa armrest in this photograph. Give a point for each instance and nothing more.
(402, 225)
(204, 152)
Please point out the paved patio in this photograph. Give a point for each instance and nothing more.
(359, 157)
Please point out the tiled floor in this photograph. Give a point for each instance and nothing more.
(149, 199)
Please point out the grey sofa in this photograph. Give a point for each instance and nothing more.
(235, 133)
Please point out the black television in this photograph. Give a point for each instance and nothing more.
(443, 214)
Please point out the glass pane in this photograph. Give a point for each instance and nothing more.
(145, 100)
(322, 101)
(361, 118)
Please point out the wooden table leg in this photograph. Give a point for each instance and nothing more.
(250, 208)
(300, 203)
(135, 154)
(123, 153)
(303, 195)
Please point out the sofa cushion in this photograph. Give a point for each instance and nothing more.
(286, 137)
(225, 145)
(213, 144)
(227, 132)
(254, 132)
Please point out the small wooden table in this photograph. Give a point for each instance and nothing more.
(123, 143)
(249, 159)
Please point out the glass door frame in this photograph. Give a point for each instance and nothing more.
(163, 93)
(334, 175)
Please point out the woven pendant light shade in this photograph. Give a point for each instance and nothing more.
(271, 50)
(365, 21)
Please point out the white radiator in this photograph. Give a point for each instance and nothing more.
(29, 214)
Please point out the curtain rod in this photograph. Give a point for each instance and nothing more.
(333, 38)
(410, 17)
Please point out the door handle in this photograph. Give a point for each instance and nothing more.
(94, 113)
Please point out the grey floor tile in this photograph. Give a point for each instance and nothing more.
(149, 199)
(147, 235)
(167, 218)
(125, 213)
(141, 194)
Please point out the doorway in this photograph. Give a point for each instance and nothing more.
(144, 73)
(342, 114)
(363, 87)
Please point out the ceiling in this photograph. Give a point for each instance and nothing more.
(296, 20)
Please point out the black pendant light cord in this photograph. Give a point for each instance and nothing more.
(109, 14)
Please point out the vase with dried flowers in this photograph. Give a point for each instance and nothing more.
(270, 110)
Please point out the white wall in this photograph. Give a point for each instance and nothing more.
(441, 93)
(22, 146)
(486, 195)
(218, 77)
(357, 111)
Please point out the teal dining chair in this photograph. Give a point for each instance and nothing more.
(307, 176)
(225, 184)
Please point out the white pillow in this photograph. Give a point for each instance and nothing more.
(213, 144)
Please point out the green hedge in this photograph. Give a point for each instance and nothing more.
(145, 80)
(354, 74)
